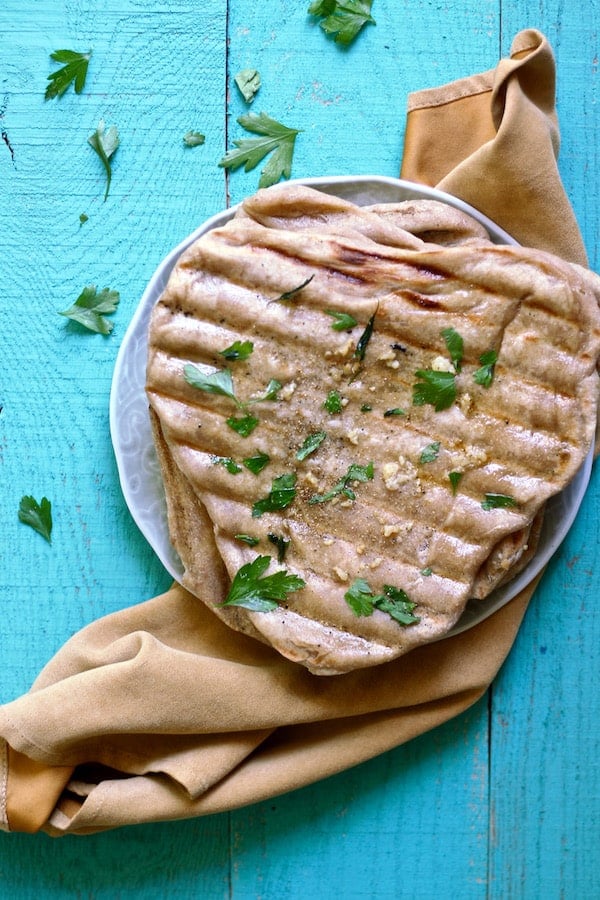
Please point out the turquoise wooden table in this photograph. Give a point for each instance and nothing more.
(502, 802)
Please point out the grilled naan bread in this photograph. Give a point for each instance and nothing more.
(458, 397)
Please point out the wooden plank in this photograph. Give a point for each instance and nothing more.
(545, 774)
(369, 832)
(155, 76)
(157, 70)
(173, 861)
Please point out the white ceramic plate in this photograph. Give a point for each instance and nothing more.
(130, 425)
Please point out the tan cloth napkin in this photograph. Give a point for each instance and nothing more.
(160, 711)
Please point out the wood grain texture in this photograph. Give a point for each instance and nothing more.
(502, 802)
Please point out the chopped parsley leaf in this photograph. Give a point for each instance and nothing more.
(311, 443)
(105, 142)
(333, 402)
(393, 601)
(343, 19)
(270, 393)
(91, 307)
(254, 590)
(454, 343)
(247, 539)
(248, 83)
(242, 425)
(193, 139)
(363, 341)
(282, 493)
(219, 382)
(343, 321)
(396, 411)
(430, 452)
(238, 350)
(291, 294)
(281, 543)
(485, 375)
(498, 501)
(256, 463)
(73, 72)
(455, 478)
(226, 461)
(355, 474)
(436, 388)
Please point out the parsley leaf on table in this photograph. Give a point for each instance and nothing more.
(275, 138)
(105, 142)
(343, 18)
(37, 515)
(254, 590)
(248, 83)
(73, 72)
(90, 308)
(193, 139)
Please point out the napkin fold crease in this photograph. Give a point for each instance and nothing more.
(160, 711)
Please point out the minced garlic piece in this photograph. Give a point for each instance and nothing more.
(354, 435)
(393, 530)
(311, 479)
(346, 348)
(340, 574)
(395, 474)
(468, 458)
(464, 403)
(287, 390)
(441, 364)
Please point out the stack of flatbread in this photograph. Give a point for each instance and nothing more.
(363, 411)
